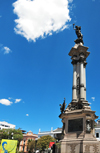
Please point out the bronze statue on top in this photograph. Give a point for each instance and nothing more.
(79, 34)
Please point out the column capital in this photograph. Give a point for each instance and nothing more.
(81, 54)
(74, 57)
(74, 62)
(85, 63)
(81, 59)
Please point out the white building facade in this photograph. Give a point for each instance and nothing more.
(97, 130)
(57, 133)
(6, 125)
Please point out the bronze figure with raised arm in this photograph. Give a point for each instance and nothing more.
(78, 33)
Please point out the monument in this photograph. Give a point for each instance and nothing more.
(78, 118)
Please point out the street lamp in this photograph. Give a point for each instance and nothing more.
(12, 135)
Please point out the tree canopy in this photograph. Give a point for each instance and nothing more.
(31, 145)
(15, 134)
(43, 142)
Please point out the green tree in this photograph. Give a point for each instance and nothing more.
(31, 145)
(43, 142)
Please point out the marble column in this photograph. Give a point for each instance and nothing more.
(81, 79)
(78, 69)
(84, 81)
(78, 81)
(74, 94)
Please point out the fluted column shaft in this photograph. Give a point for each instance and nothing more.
(84, 83)
(78, 80)
(81, 80)
(74, 83)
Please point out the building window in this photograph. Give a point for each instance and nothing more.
(7, 126)
(97, 135)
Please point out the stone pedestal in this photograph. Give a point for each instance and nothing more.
(80, 146)
(79, 132)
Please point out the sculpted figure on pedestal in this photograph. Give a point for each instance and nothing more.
(62, 108)
(78, 33)
(88, 126)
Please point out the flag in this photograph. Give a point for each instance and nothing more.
(8, 146)
(51, 144)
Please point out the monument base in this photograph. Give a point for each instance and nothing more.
(80, 146)
(78, 129)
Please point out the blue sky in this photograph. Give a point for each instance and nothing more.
(35, 69)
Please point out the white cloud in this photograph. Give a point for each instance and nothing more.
(93, 98)
(17, 100)
(5, 102)
(70, 1)
(27, 114)
(6, 50)
(38, 18)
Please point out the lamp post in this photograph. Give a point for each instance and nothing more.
(12, 135)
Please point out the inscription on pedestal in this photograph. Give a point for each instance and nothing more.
(75, 125)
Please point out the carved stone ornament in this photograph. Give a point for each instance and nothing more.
(73, 146)
(87, 149)
(75, 106)
(88, 126)
(95, 148)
